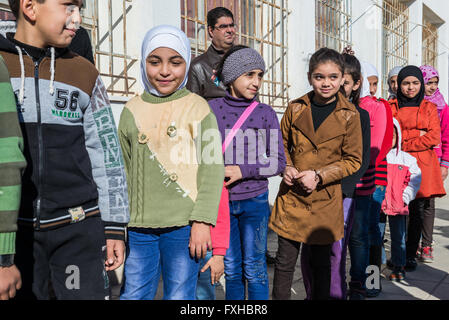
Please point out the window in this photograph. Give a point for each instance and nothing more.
(5, 12)
(429, 44)
(105, 21)
(261, 24)
(395, 35)
(333, 24)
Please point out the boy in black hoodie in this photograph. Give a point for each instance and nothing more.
(74, 206)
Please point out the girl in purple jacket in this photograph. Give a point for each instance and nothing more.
(255, 154)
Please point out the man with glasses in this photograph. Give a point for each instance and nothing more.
(222, 31)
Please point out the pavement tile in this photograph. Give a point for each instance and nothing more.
(410, 289)
(428, 272)
(442, 292)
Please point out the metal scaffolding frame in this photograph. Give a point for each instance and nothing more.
(333, 24)
(261, 24)
(111, 52)
(395, 24)
(429, 43)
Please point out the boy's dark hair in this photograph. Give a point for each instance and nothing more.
(217, 13)
(227, 54)
(354, 69)
(14, 5)
(326, 55)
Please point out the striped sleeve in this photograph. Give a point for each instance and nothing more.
(108, 169)
(12, 163)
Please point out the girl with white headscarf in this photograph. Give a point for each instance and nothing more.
(393, 89)
(174, 188)
(372, 75)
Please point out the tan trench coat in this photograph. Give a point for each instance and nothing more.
(335, 150)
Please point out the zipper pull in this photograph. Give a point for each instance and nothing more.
(38, 208)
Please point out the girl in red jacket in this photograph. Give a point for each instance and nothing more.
(421, 133)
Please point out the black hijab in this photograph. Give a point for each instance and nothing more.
(403, 101)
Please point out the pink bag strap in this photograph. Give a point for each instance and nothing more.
(239, 124)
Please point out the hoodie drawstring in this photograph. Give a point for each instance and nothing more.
(22, 74)
(52, 71)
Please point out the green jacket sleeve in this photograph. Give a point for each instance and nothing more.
(210, 172)
(12, 163)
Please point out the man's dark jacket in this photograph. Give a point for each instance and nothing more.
(201, 75)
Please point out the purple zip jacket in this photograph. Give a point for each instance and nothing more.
(258, 148)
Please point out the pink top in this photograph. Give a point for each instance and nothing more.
(378, 123)
(220, 233)
(442, 151)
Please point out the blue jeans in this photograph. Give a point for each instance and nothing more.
(382, 227)
(152, 251)
(359, 240)
(398, 225)
(245, 259)
(375, 236)
(205, 290)
(365, 232)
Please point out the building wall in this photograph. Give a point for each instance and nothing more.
(441, 9)
(367, 38)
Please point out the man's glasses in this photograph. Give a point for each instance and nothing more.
(223, 27)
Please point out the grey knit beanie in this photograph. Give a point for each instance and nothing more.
(240, 62)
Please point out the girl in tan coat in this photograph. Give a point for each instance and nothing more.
(323, 144)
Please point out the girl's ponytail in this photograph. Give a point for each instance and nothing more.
(353, 68)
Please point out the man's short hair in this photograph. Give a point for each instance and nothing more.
(15, 6)
(217, 13)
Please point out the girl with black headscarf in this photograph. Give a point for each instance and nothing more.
(420, 134)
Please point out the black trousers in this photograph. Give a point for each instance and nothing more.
(66, 263)
(421, 223)
(320, 266)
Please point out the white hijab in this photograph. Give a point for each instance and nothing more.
(168, 37)
(393, 72)
(365, 84)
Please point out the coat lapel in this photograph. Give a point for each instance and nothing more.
(304, 123)
(331, 128)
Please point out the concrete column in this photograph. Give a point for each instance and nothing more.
(441, 9)
(415, 36)
(301, 44)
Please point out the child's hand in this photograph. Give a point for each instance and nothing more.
(308, 181)
(290, 175)
(216, 265)
(200, 240)
(233, 173)
(10, 282)
(444, 172)
(115, 250)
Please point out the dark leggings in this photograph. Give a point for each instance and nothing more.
(318, 261)
(421, 222)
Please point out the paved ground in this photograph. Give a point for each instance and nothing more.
(428, 282)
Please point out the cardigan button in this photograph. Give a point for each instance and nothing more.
(172, 131)
(173, 177)
(142, 138)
